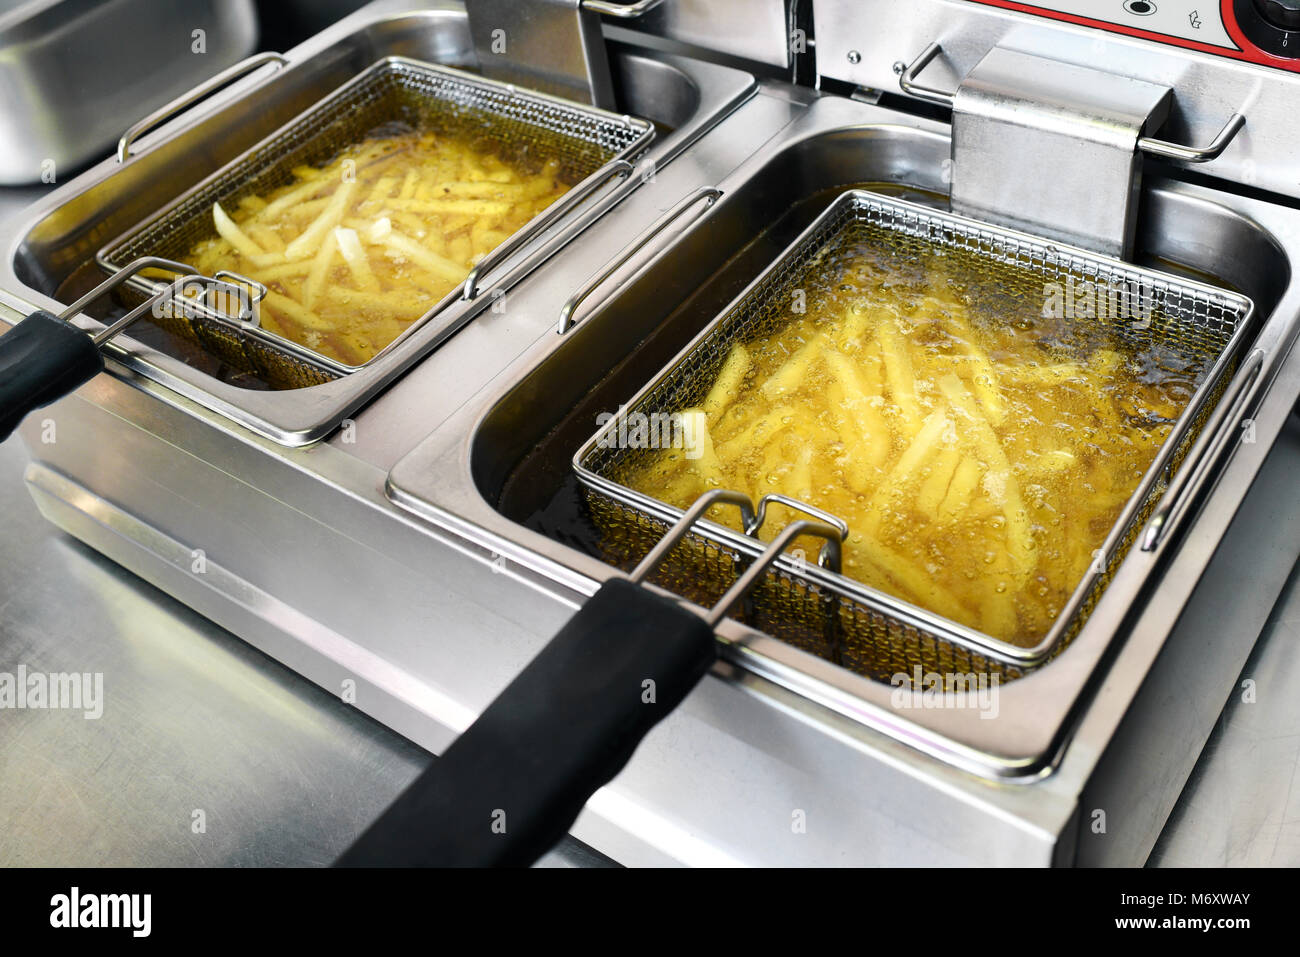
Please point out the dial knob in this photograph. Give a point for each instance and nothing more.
(1283, 14)
(1272, 26)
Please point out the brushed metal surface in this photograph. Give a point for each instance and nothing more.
(1051, 148)
(194, 719)
(196, 715)
(716, 25)
(1241, 806)
(75, 73)
(1198, 670)
(465, 597)
(555, 46)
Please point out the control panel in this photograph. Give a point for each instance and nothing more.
(1266, 32)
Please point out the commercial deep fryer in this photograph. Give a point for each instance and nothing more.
(420, 552)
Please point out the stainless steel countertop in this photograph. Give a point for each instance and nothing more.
(194, 720)
(287, 774)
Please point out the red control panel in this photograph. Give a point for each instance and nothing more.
(1266, 32)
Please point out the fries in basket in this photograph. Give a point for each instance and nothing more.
(978, 459)
(353, 253)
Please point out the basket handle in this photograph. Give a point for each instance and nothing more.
(1178, 498)
(548, 218)
(42, 359)
(512, 784)
(830, 555)
(45, 357)
(709, 194)
(203, 90)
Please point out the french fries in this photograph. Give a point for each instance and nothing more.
(234, 235)
(978, 461)
(357, 250)
(727, 385)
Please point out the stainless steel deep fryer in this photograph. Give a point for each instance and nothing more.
(859, 627)
(591, 145)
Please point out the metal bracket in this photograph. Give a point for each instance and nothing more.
(908, 83)
(1054, 148)
(555, 46)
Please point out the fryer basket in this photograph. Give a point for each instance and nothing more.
(519, 123)
(835, 617)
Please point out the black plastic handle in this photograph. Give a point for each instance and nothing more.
(509, 788)
(42, 359)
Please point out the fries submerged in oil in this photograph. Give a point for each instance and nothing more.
(354, 252)
(979, 452)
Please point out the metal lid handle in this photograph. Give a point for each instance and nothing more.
(708, 193)
(163, 113)
(907, 74)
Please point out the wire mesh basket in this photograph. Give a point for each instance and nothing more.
(836, 617)
(518, 125)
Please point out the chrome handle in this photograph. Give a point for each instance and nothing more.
(1195, 154)
(622, 10)
(187, 277)
(240, 69)
(770, 554)
(673, 537)
(830, 555)
(1177, 498)
(708, 193)
(833, 533)
(545, 221)
(907, 78)
(122, 275)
